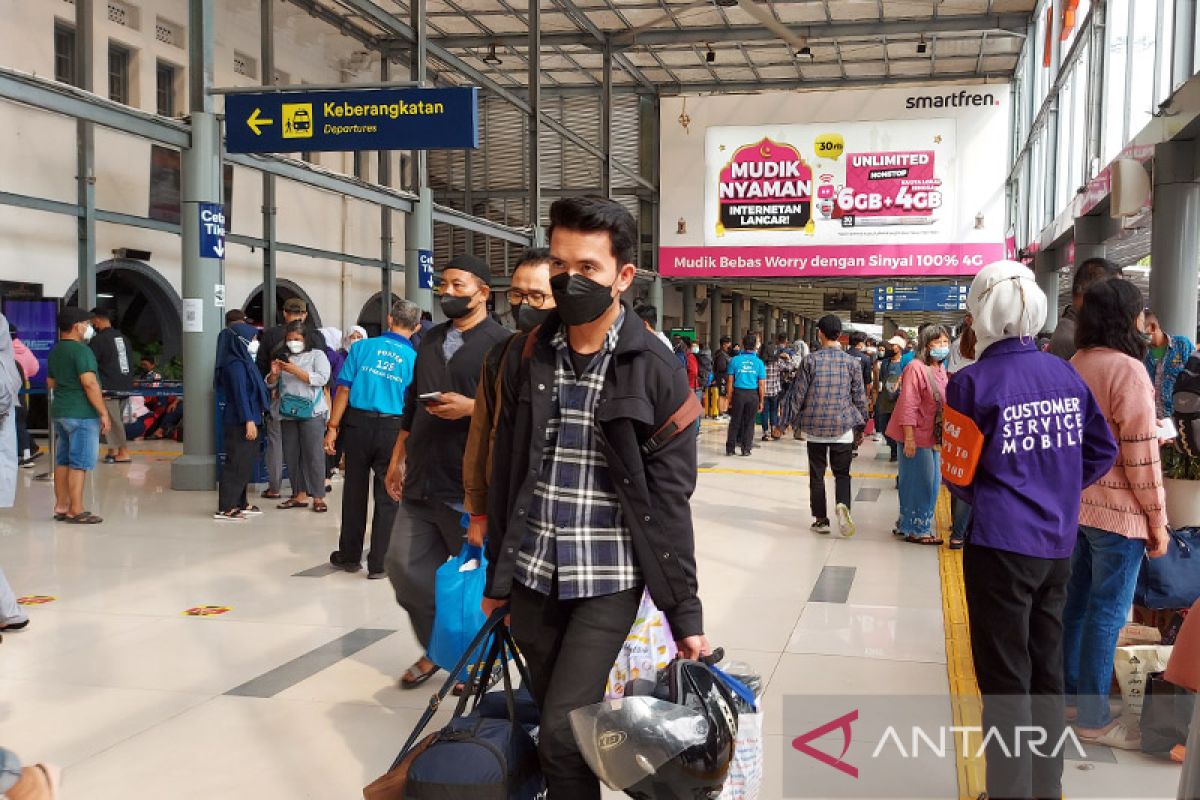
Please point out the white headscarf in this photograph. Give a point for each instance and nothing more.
(1005, 302)
(333, 338)
(360, 330)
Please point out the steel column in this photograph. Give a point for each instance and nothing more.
(656, 300)
(85, 158)
(739, 328)
(419, 225)
(688, 292)
(1090, 233)
(201, 183)
(534, 121)
(606, 99)
(1175, 248)
(716, 314)
(1045, 268)
(269, 209)
(385, 216)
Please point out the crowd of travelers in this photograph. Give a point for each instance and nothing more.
(566, 452)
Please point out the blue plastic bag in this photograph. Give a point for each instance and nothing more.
(458, 617)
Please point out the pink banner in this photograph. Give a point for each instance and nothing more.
(828, 260)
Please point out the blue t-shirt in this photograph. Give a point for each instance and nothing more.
(378, 371)
(747, 370)
(907, 358)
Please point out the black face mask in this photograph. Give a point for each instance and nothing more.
(580, 300)
(528, 317)
(456, 307)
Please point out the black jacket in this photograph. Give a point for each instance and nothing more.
(646, 416)
(435, 447)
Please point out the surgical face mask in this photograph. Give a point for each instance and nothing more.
(695, 349)
(88, 333)
(939, 353)
(456, 307)
(580, 300)
(527, 317)
(295, 347)
(252, 347)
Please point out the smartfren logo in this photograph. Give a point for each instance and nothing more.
(962, 99)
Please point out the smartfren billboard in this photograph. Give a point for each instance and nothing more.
(876, 182)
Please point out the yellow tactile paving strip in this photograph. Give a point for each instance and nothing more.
(964, 691)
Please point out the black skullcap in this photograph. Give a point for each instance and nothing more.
(472, 264)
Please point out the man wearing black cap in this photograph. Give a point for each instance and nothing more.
(79, 414)
(426, 466)
(271, 346)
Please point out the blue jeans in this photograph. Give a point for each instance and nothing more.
(1104, 570)
(920, 480)
(78, 442)
(960, 511)
(770, 412)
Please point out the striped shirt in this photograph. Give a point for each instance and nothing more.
(575, 525)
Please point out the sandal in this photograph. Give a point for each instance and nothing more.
(270, 495)
(84, 518)
(926, 540)
(292, 503)
(414, 677)
(320, 507)
(60, 516)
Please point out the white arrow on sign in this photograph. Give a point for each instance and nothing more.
(219, 249)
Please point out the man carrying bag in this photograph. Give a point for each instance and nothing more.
(596, 430)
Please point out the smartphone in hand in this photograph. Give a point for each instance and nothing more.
(430, 398)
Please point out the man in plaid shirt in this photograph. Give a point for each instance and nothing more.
(596, 435)
(828, 400)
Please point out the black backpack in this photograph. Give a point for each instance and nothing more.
(1186, 400)
(486, 754)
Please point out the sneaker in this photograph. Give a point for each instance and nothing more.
(26, 463)
(766, 437)
(956, 544)
(15, 626)
(230, 516)
(821, 526)
(252, 511)
(376, 576)
(337, 560)
(845, 521)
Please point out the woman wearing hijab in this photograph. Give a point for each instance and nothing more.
(1025, 437)
(356, 334)
(300, 375)
(246, 400)
(333, 350)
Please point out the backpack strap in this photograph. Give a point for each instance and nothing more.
(682, 420)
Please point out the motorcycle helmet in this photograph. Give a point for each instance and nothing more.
(699, 772)
(665, 740)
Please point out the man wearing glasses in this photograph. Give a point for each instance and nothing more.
(531, 301)
(425, 473)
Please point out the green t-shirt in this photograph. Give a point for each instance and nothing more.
(1158, 352)
(68, 360)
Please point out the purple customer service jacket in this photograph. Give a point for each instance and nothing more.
(1045, 439)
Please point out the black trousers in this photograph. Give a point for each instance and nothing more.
(1015, 604)
(368, 445)
(570, 646)
(839, 457)
(240, 455)
(742, 409)
(24, 441)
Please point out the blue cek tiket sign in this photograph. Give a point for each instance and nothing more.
(425, 269)
(212, 230)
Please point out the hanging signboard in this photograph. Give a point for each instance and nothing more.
(884, 182)
(356, 119)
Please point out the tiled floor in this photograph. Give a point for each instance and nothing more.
(133, 698)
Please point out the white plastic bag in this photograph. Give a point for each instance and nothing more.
(746, 770)
(648, 648)
(1134, 665)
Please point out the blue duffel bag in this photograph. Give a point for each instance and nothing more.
(1172, 581)
(488, 753)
